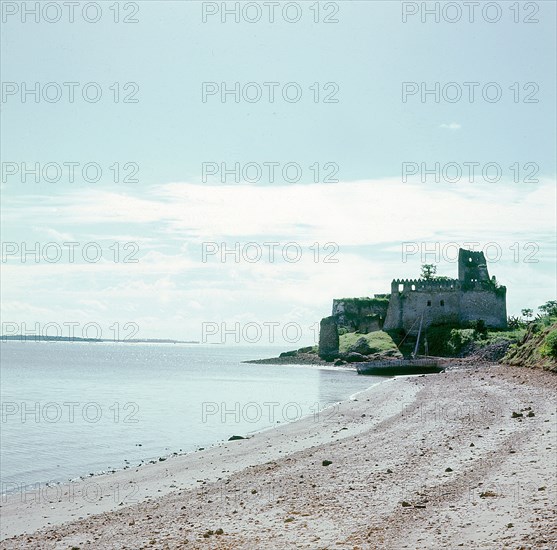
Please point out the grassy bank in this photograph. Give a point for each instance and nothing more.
(378, 341)
(537, 348)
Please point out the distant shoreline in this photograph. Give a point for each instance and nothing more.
(39, 338)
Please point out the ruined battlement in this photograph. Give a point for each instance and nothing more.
(473, 296)
(417, 285)
(456, 285)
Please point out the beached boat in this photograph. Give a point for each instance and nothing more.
(398, 367)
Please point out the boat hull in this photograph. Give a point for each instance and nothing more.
(399, 367)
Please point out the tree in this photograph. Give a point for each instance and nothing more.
(549, 308)
(527, 312)
(428, 271)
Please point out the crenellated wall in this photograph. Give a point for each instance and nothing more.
(399, 285)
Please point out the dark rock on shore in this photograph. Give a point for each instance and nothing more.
(353, 357)
(288, 354)
(362, 347)
(490, 353)
(297, 358)
(310, 357)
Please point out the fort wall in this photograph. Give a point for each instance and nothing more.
(471, 297)
(444, 302)
(361, 314)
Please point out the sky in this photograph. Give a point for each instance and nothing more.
(163, 181)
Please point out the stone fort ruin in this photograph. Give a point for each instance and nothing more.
(441, 301)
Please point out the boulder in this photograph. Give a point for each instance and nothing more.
(362, 347)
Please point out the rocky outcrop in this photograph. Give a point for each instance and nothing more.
(491, 353)
(354, 357)
(328, 339)
(362, 347)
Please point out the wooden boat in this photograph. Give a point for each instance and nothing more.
(398, 367)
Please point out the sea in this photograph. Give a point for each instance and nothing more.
(72, 409)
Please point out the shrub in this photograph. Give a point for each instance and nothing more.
(480, 330)
(549, 348)
(458, 339)
(514, 322)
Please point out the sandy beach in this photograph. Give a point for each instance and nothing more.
(428, 462)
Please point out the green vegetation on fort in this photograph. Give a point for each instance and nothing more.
(365, 301)
(499, 290)
(361, 314)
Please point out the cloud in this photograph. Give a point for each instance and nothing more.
(178, 217)
(451, 126)
(369, 220)
(54, 234)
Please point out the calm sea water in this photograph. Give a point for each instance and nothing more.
(71, 409)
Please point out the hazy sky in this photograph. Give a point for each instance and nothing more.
(352, 122)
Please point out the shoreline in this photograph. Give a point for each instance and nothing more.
(364, 438)
(39, 485)
(148, 473)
